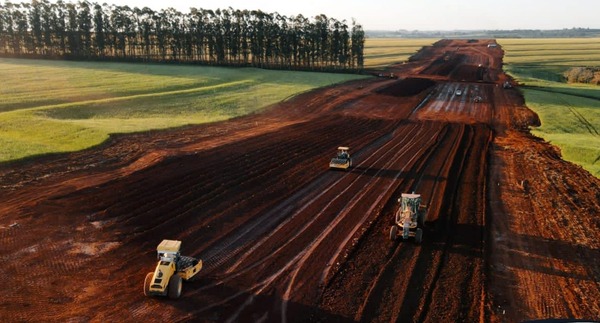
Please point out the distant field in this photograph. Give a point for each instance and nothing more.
(564, 52)
(58, 106)
(380, 52)
(570, 113)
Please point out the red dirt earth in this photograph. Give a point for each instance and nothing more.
(512, 230)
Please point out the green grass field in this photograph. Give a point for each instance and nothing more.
(570, 113)
(59, 106)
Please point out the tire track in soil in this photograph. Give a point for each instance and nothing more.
(311, 201)
(222, 249)
(385, 297)
(209, 196)
(418, 307)
(465, 239)
(360, 223)
(378, 290)
(270, 279)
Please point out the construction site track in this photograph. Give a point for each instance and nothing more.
(285, 239)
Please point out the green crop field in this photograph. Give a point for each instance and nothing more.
(59, 106)
(570, 113)
(380, 52)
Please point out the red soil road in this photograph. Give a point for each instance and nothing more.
(285, 239)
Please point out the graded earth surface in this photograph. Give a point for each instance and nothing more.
(512, 230)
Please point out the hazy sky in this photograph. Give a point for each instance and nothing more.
(416, 14)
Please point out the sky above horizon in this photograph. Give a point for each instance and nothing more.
(416, 14)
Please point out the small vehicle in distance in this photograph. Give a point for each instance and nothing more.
(342, 160)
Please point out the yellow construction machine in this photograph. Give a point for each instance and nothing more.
(409, 218)
(342, 160)
(171, 270)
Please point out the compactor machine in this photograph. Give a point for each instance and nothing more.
(171, 270)
(409, 218)
(342, 160)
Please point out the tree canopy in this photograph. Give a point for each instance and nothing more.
(228, 37)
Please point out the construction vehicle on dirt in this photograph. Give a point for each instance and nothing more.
(409, 218)
(342, 160)
(171, 270)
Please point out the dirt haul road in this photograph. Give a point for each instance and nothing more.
(512, 230)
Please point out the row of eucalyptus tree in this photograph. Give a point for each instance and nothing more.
(86, 30)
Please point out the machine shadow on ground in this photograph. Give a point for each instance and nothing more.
(261, 307)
